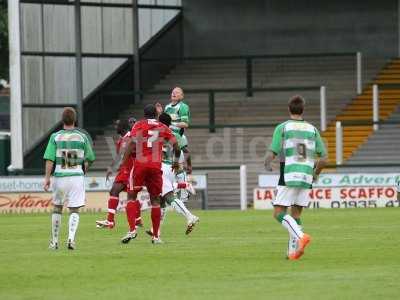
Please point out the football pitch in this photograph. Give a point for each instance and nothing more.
(230, 255)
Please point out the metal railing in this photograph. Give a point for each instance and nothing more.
(212, 125)
(249, 63)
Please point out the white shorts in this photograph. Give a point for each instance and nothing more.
(168, 177)
(288, 196)
(69, 189)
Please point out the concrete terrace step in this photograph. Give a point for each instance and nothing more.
(337, 73)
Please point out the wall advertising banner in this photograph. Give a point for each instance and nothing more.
(26, 194)
(338, 191)
(42, 202)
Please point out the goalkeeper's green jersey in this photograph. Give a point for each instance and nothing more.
(179, 112)
(298, 143)
(69, 149)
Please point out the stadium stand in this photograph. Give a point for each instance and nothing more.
(381, 147)
(268, 108)
(360, 109)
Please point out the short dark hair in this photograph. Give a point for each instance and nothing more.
(165, 119)
(150, 111)
(296, 105)
(69, 116)
(123, 126)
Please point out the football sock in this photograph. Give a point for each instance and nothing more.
(181, 178)
(131, 214)
(292, 243)
(290, 224)
(298, 221)
(156, 219)
(73, 225)
(163, 215)
(180, 207)
(162, 219)
(55, 226)
(112, 208)
(138, 219)
(181, 185)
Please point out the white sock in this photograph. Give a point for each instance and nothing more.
(183, 193)
(292, 244)
(73, 225)
(55, 226)
(178, 205)
(292, 227)
(163, 215)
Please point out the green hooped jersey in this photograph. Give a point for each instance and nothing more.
(69, 149)
(168, 151)
(298, 143)
(179, 112)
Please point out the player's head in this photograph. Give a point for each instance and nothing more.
(123, 127)
(131, 121)
(165, 119)
(69, 116)
(177, 94)
(150, 111)
(296, 105)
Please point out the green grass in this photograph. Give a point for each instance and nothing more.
(230, 255)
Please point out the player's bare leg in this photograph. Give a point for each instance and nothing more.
(55, 226)
(73, 227)
(113, 201)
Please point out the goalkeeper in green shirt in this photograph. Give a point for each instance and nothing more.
(179, 112)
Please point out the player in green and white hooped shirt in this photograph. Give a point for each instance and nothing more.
(180, 115)
(68, 156)
(302, 157)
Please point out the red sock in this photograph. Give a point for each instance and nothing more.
(138, 212)
(182, 185)
(112, 208)
(156, 219)
(131, 214)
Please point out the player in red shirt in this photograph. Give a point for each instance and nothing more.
(148, 137)
(121, 181)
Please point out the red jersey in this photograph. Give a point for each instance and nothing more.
(121, 145)
(150, 136)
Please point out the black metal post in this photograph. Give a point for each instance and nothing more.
(135, 50)
(211, 112)
(78, 62)
(249, 76)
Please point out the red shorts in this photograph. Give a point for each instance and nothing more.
(123, 177)
(151, 178)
